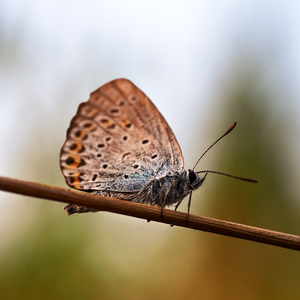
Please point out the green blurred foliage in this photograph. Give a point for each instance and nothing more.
(49, 259)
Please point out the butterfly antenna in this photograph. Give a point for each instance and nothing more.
(229, 130)
(236, 177)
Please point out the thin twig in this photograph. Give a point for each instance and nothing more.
(150, 213)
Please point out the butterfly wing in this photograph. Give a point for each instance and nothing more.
(118, 142)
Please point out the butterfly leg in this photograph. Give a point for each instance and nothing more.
(189, 206)
(177, 205)
(162, 212)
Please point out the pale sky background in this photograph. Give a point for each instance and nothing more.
(176, 52)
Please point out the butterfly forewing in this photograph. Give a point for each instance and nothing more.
(118, 141)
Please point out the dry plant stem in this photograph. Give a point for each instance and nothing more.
(150, 213)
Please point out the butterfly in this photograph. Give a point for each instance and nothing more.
(119, 145)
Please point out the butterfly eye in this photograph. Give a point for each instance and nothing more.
(192, 176)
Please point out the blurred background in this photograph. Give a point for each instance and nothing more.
(205, 64)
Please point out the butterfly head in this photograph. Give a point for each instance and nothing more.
(194, 180)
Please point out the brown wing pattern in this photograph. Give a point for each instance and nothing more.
(118, 141)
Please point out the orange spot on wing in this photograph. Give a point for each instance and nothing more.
(73, 161)
(89, 111)
(126, 123)
(80, 135)
(108, 123)
(76, 147)
(75, 181)
(93, 127)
